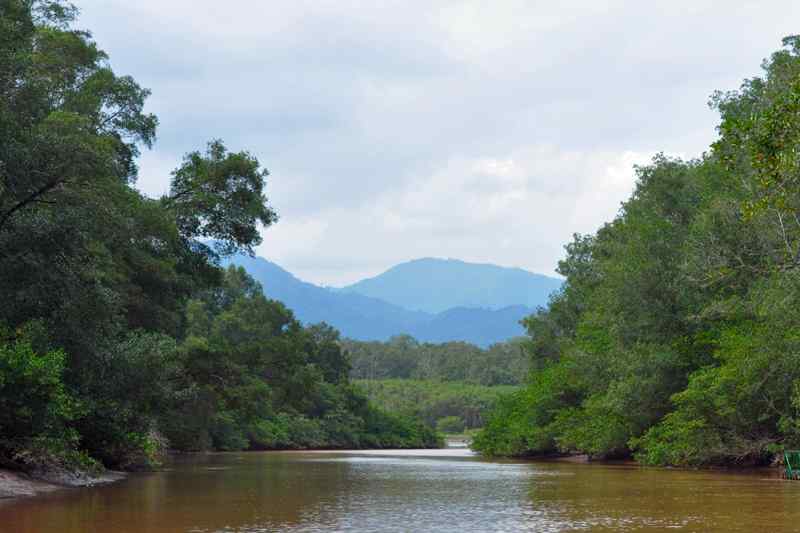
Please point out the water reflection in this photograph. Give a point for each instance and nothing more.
(447, 490)
(630, 498)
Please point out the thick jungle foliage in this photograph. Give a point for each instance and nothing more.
(675, 336)
(117, 325)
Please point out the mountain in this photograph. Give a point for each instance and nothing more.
(363, 317)
(436, 285)
(355, 316)
(478, 326)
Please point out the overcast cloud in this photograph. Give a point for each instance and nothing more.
(484, 131)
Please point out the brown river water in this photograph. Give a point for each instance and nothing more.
(438, 490)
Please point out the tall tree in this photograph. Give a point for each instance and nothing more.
(219, 195)
(68, 123)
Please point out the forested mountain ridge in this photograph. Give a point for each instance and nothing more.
(366, 318)
(435, 285)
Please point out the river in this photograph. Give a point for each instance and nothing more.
(436, 490)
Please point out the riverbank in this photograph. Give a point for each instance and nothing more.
(18, 484)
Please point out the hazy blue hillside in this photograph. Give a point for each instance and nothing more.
(356, 316)
(478, 326)
(435, 285)
(364, 318)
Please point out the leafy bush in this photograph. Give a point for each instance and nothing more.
(124, 393)
(746, 407)
(36, 409)
(389, 430)
(525, 422)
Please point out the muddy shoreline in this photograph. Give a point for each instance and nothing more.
(14, 484)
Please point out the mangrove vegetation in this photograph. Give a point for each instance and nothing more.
(120, 334)
(675, 338)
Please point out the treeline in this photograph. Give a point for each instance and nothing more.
(451, 386)
(403, 357)
(450, 406)
(675, 337)
(119, 333)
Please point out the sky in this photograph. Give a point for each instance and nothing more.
(483, 131)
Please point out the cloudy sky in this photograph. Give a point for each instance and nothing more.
(483, 131)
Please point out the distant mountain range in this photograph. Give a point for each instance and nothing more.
(436, 285)
(434, 300)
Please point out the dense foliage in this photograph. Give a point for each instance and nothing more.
(403, 357)
(255, 378)
(449, 385)
(119, 332)
(436, 402)
(675, 336)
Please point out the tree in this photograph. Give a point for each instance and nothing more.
(673, 335)
(219, 195)
(139, 332)
(67, 121)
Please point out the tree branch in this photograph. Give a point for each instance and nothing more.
(34, 197)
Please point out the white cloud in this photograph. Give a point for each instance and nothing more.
(487, 209)
(488, 131)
